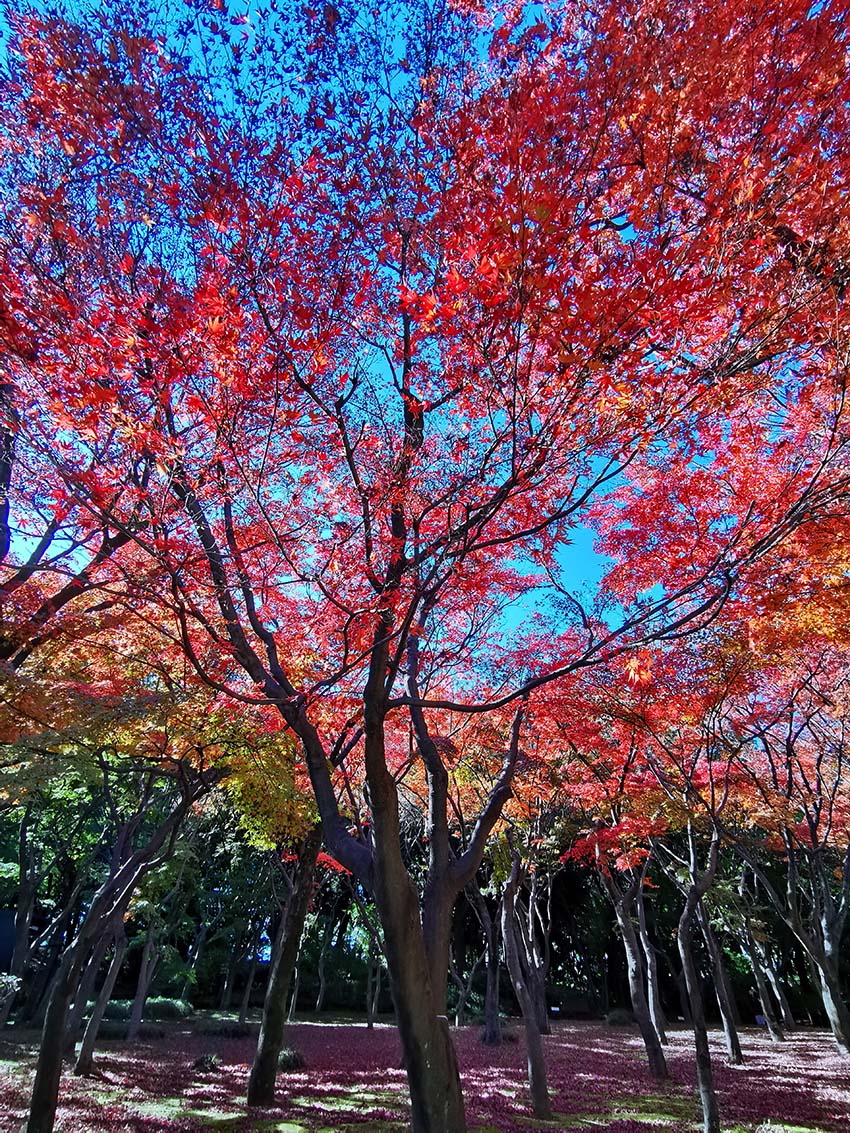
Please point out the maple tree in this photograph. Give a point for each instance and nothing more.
(330, 326)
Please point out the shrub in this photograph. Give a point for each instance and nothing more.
(158, 1009)
(619, 1017)
(207, 1062)
(290, 1059)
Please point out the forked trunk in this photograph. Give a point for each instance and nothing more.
(85, 1059)
(785, 1012)
(537, 1083)
(722, 989)
(768, 1014)
(651, 1040)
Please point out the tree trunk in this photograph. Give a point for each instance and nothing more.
(833, 1004)
(45, 1092)
(722, 989)
(226, 997)
(24, 908)
(538, 1085)
(84, 993)
(373, 990)
(323, 954)
(651, 1041)
(293, 1001)
(436, 1101)
(650, 955)
(194, 958)
(85, 1059)
(249, 986)
(705, 1077)
(787, 1016)
(109, 900)
(492, 1034)
(147, 968)
(261, 1083)
(751, 950)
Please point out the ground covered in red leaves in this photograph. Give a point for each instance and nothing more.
(352, 1082)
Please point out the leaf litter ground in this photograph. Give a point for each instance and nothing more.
(352, 1082)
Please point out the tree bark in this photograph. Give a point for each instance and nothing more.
(249, 983)
(85, 1059)
(538, 1086)
(226, 997)
(622, 898)
(147, 969)
(194, 959)
(623, 903)
(84, 992)
(110, 898)
(650, 955)
(492, 1034)
(787, 1016)
(705, 1077)
(722, 989)
(751, 950)
(836, 1010)
(261, 1083)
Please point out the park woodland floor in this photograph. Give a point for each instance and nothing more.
(352, 1081)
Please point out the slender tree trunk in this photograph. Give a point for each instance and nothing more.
(374, 991)
(705, 1077)
(249, 986)
(194, 960)
(110, 898)
(226, 997)
(722, 989)
(323, 954)
(293, 1000)
(751, 949)
(85, 1059)
(537, 1082)
(787, 1016)
(261, 1083)
(45, 1092)
(84, 993)
(836, 1010)
(23, 921)
(651, 1041)
(492, 1034)
(464, 987)
(147, 968)
(650, 954)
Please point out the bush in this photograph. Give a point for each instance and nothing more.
(290, 1059)
(158, 1009)
(619, 1017)
(163, 1009)
(207, 1062)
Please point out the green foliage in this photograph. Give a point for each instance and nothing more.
(261, 786)
(290, 1059)
(206, 1063)
(158, 1009)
